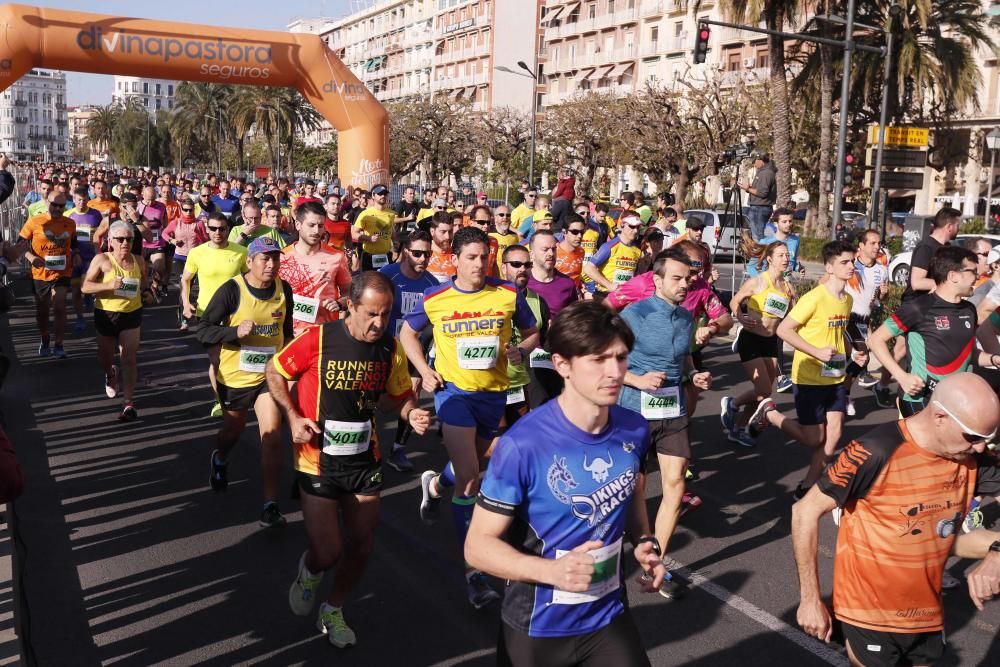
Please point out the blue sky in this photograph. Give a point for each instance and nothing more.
(260, 14)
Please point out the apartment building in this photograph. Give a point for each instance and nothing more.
(33, 122)
(154, 94)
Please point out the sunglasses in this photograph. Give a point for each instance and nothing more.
(530, 195)
(520, 265)
(583, 214)
(187, 210)
(636, 227)
(574, 232)
(122, 239)
(57, 205)
(480, 222)
(439, 208)
(970, 436)
(419, 254)
(215, 229)
(983, 254)
(503, 215)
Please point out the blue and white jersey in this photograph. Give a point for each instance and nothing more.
(409, 293)
(564, 487)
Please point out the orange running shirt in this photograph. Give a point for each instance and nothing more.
(570, 262)
(52, 240)
(903, 507)
(441, 265)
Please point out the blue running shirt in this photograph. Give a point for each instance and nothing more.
(564, 487)
(409, 293)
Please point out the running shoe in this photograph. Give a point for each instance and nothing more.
(741, 437)
(883, 396)
(728, 413)
(58, 351)
(332, 624)
(690, 474)
(272, 516)
(88, 302)
(480, 593)
(736, 336)
(689, 501)
(759, 417)
(44, 350)
(671, 588)
(866, 380)
(219, 478)
(111, 383)
(783, 384)
(80, 325)
(302, 595)
(835, 514)
(216, 411)
(949, 582)
(430, 506)
(851, 410)
(397, 459)
(128, 413)
(183, 326)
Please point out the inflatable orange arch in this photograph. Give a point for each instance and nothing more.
(83, 42)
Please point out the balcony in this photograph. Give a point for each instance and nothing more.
(678, 43)
(60, 106)
(20, 120)
(653, 8)
(650, 49)
(455, 28)
(20, 103)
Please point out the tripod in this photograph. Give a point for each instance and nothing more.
(732, 216)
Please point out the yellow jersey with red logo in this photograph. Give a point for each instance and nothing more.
(617, 261)
(472, 330)
(824, 318)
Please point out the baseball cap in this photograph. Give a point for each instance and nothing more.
(262, 244)
(321, 185)
(480, 194)
(380, 190)
(546, 215)
(994, 255)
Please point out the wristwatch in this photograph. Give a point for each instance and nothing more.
(655, 542)
(995, 546)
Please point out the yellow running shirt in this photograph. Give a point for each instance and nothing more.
(128, 297)
(823, 318)
(213, 267)
(373, 221)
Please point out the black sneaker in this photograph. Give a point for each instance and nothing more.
(271, 516)
(219, 479)
(883, 396)
(799, 493)
(128, 413)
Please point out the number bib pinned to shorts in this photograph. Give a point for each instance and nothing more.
(254, 359)
(539, 358)
(380, 260)
(515, 395)
(478, 353)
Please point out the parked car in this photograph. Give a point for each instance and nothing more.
(899, 267)
(720, 234)
(851, 222)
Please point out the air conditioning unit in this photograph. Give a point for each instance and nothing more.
(749, 63)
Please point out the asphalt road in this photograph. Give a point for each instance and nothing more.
(132, 560)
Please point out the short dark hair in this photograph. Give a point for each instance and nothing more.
(835, 249)
(676, 254)
(695, 223)
(468, 236)
(863, 237)
(587, 327)
(946, 216)
(782, 211)
(456, 216)
(440, 218)
(628, 198)
(413, 237)
(272, 207)
(480, 207)
(570, 218)
(218, 216)
(670, 210)
(517, 247)
(331, 195)
(83, 192)
(309, 181)
(370, 280)
(602, 206)
(306, 208)
(947, 259)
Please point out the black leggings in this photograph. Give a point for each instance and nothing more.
(615, 645)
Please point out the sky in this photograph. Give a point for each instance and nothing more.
(259, 14)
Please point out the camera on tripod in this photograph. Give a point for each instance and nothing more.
(738, 152)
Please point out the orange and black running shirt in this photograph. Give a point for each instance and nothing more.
(340, 380)
(903, 507)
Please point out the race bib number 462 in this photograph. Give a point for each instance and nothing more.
(254, 359)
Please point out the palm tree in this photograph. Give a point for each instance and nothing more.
(259, 109)
(101, 127)
(198, 108)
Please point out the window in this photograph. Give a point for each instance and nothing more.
(592, 10)
(158, 103)
(145, 88)
(611, 6)
(654, 35)
(170, 104)
(158, 92)
(170, 89)
(135, 86)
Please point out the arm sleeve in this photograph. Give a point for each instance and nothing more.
(298, 356)
(603, 254)
(170, 228)
(504, 486)
(399, 384)
(905, 317)
(853, 473)
(191, 263)
(287, 327)
(523, 317)
(27, 230)
(526, 224)
(224, 303)
(417, 319)
(7, 184)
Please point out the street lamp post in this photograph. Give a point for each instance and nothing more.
(534, 115)
(993, 143)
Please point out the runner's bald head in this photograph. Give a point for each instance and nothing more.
(971, 399)
(370, 280)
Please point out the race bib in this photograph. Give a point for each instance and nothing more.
(254, 359)
(478, 354)
(515, 395)
(605, 579)
(129, 288)
(662, 403)
(540, 359)
(84, 233)
(346, 438)
(304, 308)
(378, 261)
(156, 235)
(836, 367)
(776, 305)
(623, 276)
(55, 262)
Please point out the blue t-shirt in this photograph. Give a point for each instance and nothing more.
(665, 352)
(409, 293)
(793, 254)
(226, 205)
(563, 487)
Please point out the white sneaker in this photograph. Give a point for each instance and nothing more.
(736, 336)
(332, 624)
(302, 595)
(850, 408)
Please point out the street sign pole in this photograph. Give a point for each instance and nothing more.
(883, 113)
(845, 94)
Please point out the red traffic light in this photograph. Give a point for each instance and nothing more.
(849, 159)
(704, 33)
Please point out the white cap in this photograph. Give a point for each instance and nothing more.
(994, 255)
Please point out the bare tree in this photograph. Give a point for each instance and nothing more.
(585, 132)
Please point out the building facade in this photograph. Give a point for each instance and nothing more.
(33, 120)
(79, 144)
(153, 94)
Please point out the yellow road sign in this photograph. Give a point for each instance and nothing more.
(914, 137)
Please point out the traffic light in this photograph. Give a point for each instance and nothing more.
(701, 43)
(849, 164)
